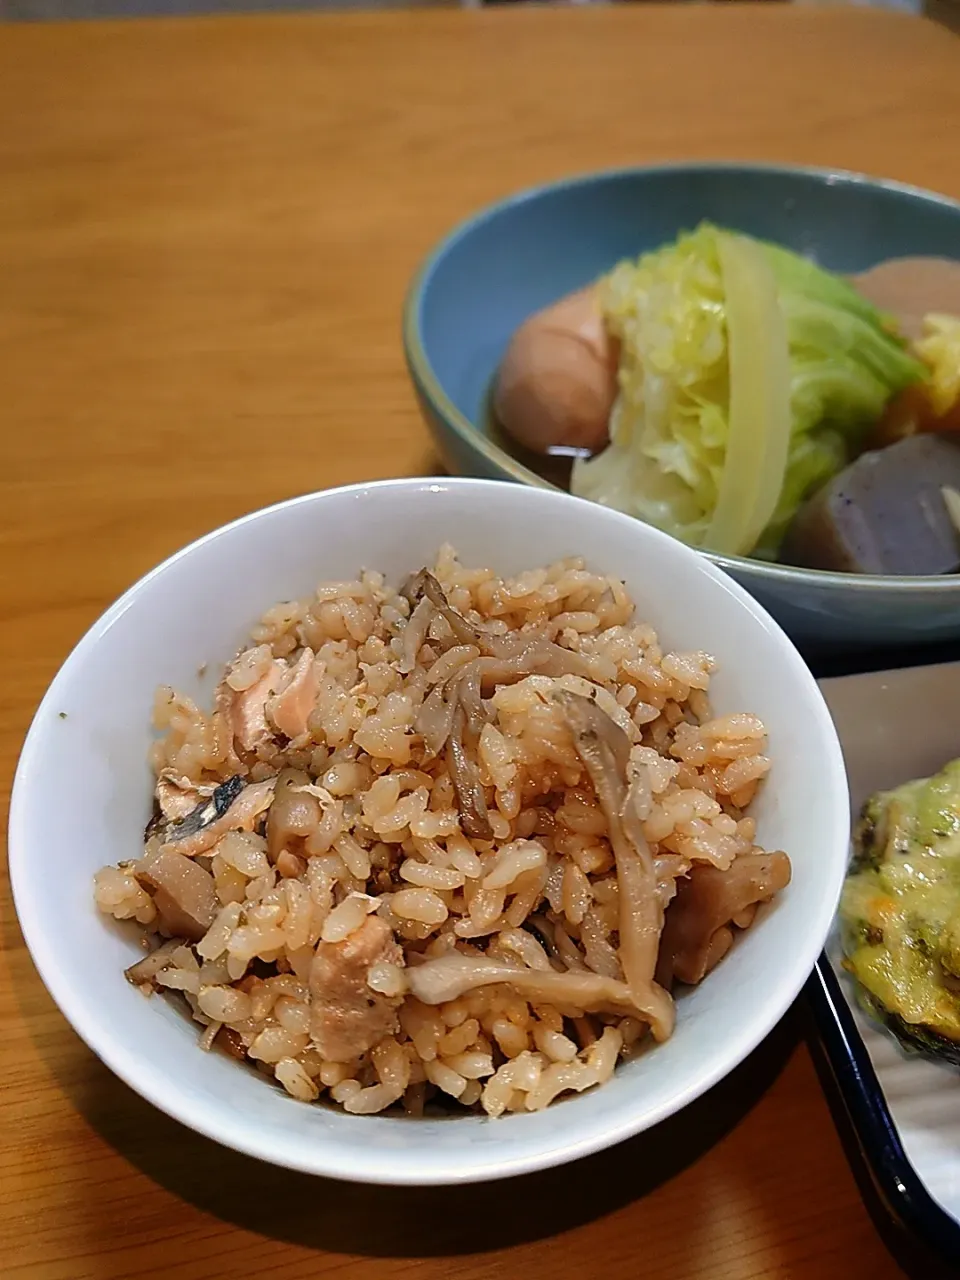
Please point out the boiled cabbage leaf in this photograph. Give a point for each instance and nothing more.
(748, 377)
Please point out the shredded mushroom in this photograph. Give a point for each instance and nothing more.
(605, 749)
(434, 720)
(144, 971)
(466, 783)
(450, 976)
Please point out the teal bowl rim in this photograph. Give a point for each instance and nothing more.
(430, 387)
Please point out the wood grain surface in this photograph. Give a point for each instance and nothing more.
(206, 229)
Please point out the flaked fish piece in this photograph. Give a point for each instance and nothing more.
(226, 750)
(248, 707)
(177, 796)
(235, 805)
(291, 706)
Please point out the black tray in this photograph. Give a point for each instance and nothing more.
(923, 1238)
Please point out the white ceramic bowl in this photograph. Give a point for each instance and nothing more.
(82, 795)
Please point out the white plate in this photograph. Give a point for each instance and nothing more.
(893, 726)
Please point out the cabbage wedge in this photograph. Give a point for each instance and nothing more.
(748, 377)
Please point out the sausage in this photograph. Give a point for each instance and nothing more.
(557, 382)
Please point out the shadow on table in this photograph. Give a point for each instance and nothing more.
(399, 1221)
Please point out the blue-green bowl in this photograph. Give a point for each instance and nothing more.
(513, 258)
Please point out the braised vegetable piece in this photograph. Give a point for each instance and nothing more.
(698, 930)
(939, 349)
(931, 405)
(183, 893)
(885, 513)
(900, 912)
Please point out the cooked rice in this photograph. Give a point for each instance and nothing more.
(456, 843)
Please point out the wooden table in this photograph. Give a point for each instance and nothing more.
(206, 229)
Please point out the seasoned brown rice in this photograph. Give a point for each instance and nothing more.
(455, 842)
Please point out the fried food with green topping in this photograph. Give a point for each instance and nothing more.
(900, 912)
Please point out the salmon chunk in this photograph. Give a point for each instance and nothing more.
(291, 707)
(249, 708)
(347, 1017)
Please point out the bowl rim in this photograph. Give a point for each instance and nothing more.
(431, 388)
(164, 1091)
